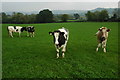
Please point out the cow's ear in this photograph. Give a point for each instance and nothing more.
(50, 33)
(62, 33)
(99, 29)
(108, 30)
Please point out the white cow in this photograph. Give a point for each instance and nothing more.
(17, 29)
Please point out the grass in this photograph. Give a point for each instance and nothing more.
(27, 57)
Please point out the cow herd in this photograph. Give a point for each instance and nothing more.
(61, 36)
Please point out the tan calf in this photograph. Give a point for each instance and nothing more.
(102, 36)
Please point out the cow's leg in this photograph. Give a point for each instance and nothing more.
(98, 47)
(11, 34)
(64, 50)
(63, 54)
(57, 49)
(104, 50)
(27, 34)
(64, 47)
(19, 34)
(104, 46)
(57, 53)
(30, 34)
(33, 34)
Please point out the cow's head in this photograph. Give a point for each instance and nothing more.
(32, 29)
(23, 29)
(56, 35)
(104, 31)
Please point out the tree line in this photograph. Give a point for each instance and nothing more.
(46, 16)
(101, 16)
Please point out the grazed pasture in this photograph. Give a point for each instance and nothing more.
(26, 57)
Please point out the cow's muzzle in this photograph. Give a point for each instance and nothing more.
(56, 44)
(102, 38)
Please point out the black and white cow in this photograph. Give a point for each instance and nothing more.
(60, 40)
(30, 31)
(17, 29)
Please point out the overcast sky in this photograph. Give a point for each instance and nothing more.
(60, 0)
(36, 6)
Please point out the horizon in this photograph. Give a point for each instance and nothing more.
(60, 10)
(82, 12)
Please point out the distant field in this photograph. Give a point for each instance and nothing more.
(27, 57)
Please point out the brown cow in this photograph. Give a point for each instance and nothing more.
(102, 36)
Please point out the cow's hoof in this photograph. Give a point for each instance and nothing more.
(63, 56)
(96, 49)
(104, 51)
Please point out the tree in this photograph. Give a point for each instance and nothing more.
(57, 17)
(45, 16)
(64, 17)
(97, 15)
(18, 18)
(103, 15)
(89, 16)
(116, 12)
(4, 17)
(116, 15)
(30, 18)
(77, 16)
(114, 18)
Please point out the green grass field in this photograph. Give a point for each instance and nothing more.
(26, 57)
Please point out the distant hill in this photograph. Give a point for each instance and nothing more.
(110, 10)
(83, 12)
(71, 12)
